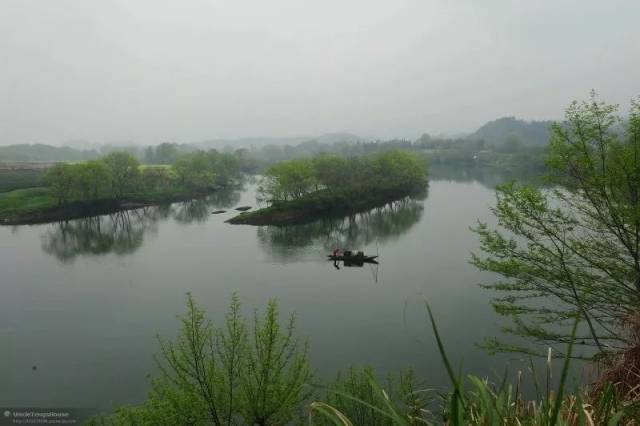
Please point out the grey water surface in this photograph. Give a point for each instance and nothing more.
(82, 301)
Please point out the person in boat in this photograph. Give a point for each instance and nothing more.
(336, 252)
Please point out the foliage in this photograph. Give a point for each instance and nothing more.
(386, 171)
(574, 249)
(91, 179)
(288, 180)
(226, 375)
(157, 178)
(165, 153)
(484, 403)
(123, 172)
(358, 396)
(60, 179)
(205, 170)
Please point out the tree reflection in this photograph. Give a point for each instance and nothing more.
(381, 225)
(122, 233)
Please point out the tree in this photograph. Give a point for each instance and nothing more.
(123, 171)
(90, 179)
(330, 170)
(195, 171)
(288, 180)
(60, 179)
(573, 249)
(156, 178)
(166, 153)
(226, 167)
(149, 155)
(399, 168)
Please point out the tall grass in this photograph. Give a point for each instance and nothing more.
(484, 403)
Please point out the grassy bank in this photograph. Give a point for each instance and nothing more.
(322, 203)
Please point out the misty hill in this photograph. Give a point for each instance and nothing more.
(41, 152)
(327, 138)
(531, 133)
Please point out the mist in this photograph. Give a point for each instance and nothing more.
(152, 71)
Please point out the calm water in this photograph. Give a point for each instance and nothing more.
(82, 301)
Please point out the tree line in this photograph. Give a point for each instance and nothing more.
(119, 174)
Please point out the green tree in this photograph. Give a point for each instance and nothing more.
(166, 153)
(575, 248)
(330, 170)
(60, 179)
(123, 171)
(91, 179)
(157, 178)
(398, 168)
(195, 171)
(288, 180)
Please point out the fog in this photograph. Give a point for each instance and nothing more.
(149, 71)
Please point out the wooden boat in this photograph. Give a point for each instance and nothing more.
(354, 258)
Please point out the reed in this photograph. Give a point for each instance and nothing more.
(485, 403)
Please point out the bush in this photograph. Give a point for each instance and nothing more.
(228, 375)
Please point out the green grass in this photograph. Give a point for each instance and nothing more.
(23, 201)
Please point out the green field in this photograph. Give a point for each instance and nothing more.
(17, 178)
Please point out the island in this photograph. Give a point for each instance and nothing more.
(302, 190)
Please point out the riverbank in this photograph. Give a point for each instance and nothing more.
(38, 205)
(324, 203)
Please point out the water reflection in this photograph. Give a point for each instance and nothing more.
(490, 177)
(123, 232)
(120, 233)
(378, 225)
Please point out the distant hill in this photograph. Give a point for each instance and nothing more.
(496, 132)
(40, 152)
(327, 138)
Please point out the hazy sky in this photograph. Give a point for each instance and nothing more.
(154, 70)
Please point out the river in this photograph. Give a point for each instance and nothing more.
(82, 301)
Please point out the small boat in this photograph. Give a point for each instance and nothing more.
(354, 258)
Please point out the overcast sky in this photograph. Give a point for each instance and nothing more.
(186, 70)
